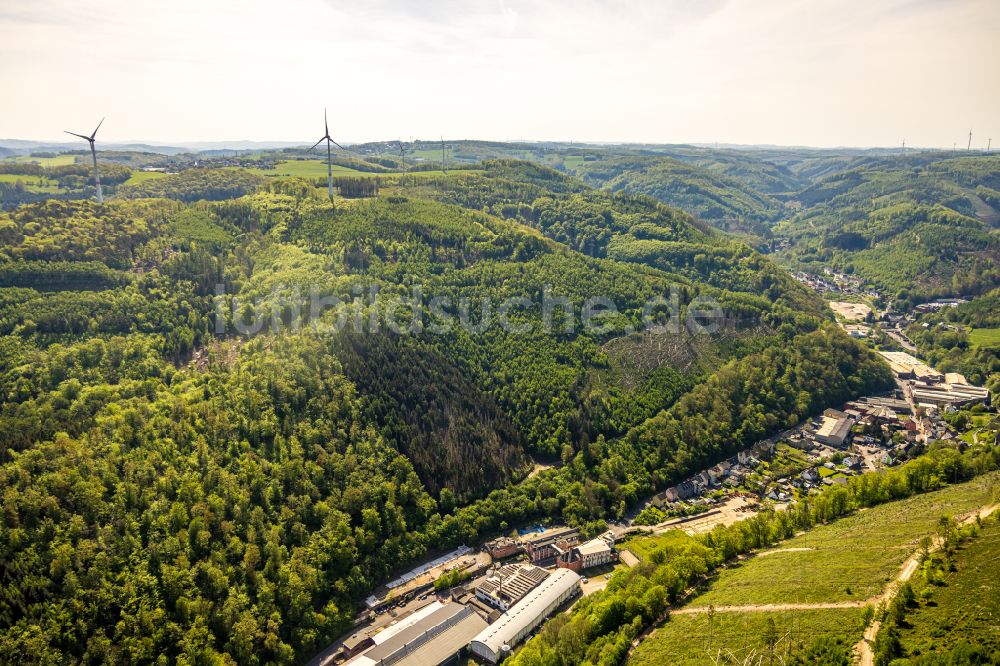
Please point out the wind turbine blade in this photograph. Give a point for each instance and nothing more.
(85, 138)
(326, 125)
(316, 144)
(96, 128)
(337, 144)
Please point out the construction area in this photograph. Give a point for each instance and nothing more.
(851, 311)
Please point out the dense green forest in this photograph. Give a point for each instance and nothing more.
(728, 201)
(201, 460)
(915, 226)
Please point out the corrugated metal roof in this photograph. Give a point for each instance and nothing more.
(528, 610)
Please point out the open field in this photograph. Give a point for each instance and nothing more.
(32, 183)
(692, 640)
(36, 181)
(966, 607)
(642, 547)
(984, 337)
(850, 559)
(143, 176)
(787, 461)
(58, 160)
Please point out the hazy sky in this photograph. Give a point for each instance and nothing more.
(793, 72)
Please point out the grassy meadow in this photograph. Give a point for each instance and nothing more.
(984, 337)
(850, 559)
(143, 176)
(58, 160)
(643, 547)
(966, 607)
(694, 640)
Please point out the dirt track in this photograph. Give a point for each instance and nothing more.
(863, 647)
(697, 610)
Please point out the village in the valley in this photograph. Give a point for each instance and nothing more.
(490, 599)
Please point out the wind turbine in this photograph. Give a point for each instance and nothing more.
(93, 153)
(442, 154)
(989, 142)
(402, 154)
(969, 147)
(329, 158)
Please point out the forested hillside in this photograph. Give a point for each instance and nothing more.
(198, 461)
(916, 227)
(730, 202)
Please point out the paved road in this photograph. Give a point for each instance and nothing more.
(903, 342)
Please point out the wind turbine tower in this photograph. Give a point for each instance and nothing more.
(93, 153)
(442, 154)
(402, 154)
(329, 157)
(969, 147)
(989, 142)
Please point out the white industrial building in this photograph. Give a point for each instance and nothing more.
(593, 553)
(939, 395)
(496, 640)
(596, 552)
(432, 636)
(834, 430)
(907, 366)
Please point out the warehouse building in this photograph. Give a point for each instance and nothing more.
(940, 395)
(495, 641)
(835, 430)
(509, 584)
(905, 366)
(436, 637)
